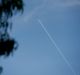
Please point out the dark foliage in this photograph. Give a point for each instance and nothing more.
(7, 10)
(7, 46)
(9, 6)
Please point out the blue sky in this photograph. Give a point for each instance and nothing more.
(37, 54)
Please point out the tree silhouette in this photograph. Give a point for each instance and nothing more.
(7, 9)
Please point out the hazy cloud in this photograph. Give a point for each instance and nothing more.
(62, 2)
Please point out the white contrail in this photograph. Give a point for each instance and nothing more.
(58, 49)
